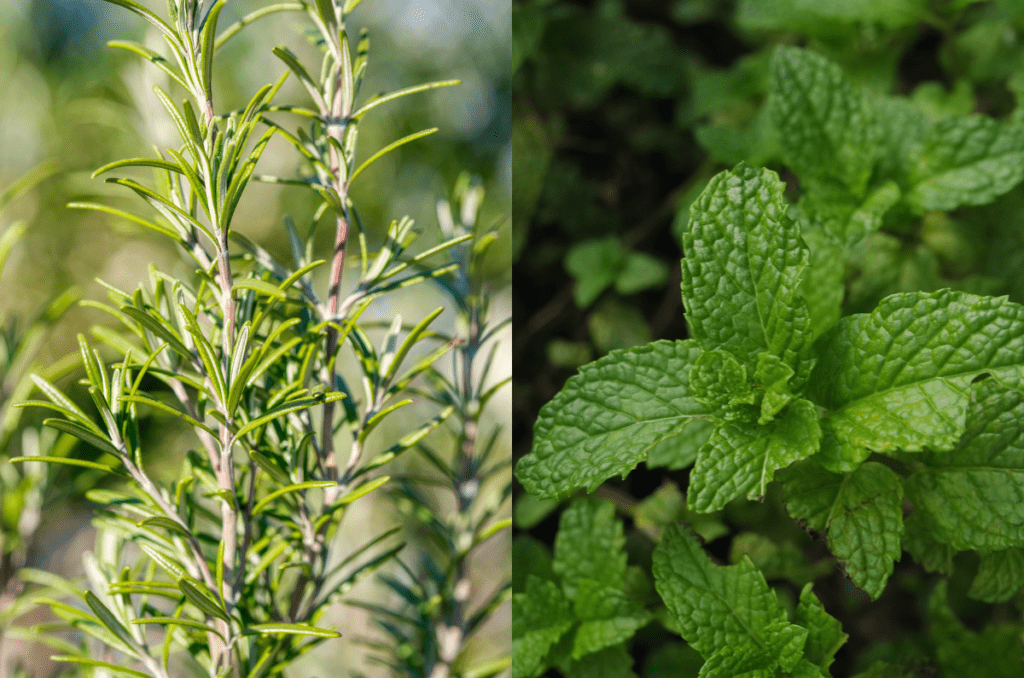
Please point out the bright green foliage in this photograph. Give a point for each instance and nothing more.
(846, 340)
(974, 494)
(898, 378)
(541, 616)
(741, 273)
(825, 124)
(742, 458)
(862, 512)
(966, 161)
(734, 620)
(589, 547)
(609, 415)
(589, 609)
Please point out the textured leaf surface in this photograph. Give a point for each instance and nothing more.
(541, 616)
(609, 415)
(974, 494)
(741, 458)
(714, 607)
(862, 512)
(919, 541)
(966, 161)
(590, 546)
(607, 617)
(825, 125)
(679, 451)
(898, 378)
(741, 273)
(825, 633)
(1000, 575)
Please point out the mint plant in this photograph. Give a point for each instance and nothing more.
(229, 568)
(887, 431)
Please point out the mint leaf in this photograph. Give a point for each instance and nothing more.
(741, 458)
(862, 512)
(741, 273)
(541, 616)
(667, 505)
(608, 416)
(974, 494)
(1000, 575)
(782, 650)
(826, 127)
(966, 161)
(716, 607)
(898, 378)
(614, 662)
(594, 265)
(825, 635)
(720, 383)
(680, 451)
(607, 618)
(919, 541)
(589, 546)
(904, 127)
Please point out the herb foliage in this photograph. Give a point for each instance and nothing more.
(886, 431)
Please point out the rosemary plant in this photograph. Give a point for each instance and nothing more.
(429, 638)
(228, 569)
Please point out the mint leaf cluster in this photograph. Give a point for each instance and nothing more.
(769, 382)
(583, 617)
(731, 616)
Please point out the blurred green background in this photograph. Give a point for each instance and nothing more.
(67, 97)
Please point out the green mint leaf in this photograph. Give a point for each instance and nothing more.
(590, 545)
(741, 273)
(774, 377)
(996, 651)
(898, 378)
(966, 161)
(741, 458)
(782, 651)
(825, 125)
(825, 635)
(823, 287)
(541, 616)
(862, 512)
(613, 662)
(680, 451)
(904, 126)
(609, 415)
(594, 265)
(640, 271)
(920, 542)
(1000, 575)
(667, 505)
(720, 383)
(715, 607)
(607, 618)
(973, 493)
